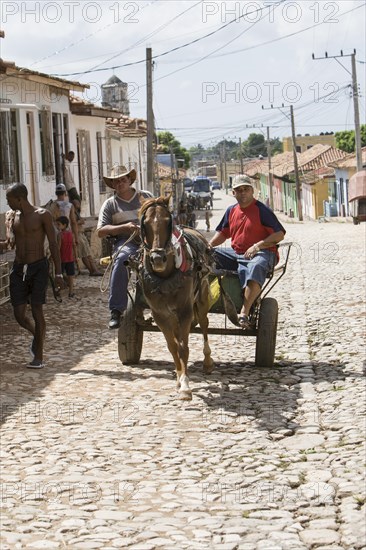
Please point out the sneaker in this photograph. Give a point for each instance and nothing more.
(244, 321)
(31, 348)
(35, 364)
(115, 321)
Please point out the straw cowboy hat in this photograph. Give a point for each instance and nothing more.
(118, 172)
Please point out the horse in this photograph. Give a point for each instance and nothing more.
(174, 279)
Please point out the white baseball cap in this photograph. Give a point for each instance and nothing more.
(241, 180)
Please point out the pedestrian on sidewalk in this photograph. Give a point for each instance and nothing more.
(29, 274)
(254, 231)
(118, 218)
(208, 215)
(68, 176)
(66, 252)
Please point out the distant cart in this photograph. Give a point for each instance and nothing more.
(201, 193)
(263, 317)
(357, 196)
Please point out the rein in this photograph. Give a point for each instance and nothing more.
(104, 283)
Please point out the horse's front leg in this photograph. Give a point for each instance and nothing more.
(176, 337)
(179, 349)
(201, 308)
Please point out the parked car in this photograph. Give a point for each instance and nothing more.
(215, 185)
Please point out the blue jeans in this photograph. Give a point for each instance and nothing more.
(255, 269)
(120, 276)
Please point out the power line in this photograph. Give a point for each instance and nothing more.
(72, 44)
(147, 36)
(172, 49)
(252, 47)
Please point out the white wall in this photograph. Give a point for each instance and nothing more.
(25, 96)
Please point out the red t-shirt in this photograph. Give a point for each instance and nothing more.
(66, 250)
(246, 226)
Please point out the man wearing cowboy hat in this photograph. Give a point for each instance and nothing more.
(118, 218)
(254, 231)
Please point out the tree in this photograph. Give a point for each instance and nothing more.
(346, 140)
(255, 145)
(169, 144)
(276, 146)
(197, 149)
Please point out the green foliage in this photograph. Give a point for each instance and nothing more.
(169, 144)
(276, 146)
(255, 145)
(346, 140)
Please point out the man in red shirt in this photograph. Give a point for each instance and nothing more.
(254, 231)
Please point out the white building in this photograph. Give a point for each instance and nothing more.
(41, 119)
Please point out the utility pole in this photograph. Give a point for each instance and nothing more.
(241, 157)
(355, 99)
(224, 164)
(150, 124)
(270, 175)
(222, 177)
(296, 165)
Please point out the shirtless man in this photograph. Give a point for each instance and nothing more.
(29, 274)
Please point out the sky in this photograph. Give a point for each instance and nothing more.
(218, 66)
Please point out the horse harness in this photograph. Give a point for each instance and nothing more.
(188, 254)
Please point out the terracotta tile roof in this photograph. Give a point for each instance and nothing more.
(10, 69)
(166, 172)
(260, 166)
(314, 158)
(129, 127)
(79, 106)
(315, 175)
(349, 161)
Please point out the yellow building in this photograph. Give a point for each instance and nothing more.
(303, 143)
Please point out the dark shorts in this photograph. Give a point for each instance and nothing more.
(28, 283)
(68, 268)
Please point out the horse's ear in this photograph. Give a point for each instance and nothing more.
(141, 198)
(167, 200)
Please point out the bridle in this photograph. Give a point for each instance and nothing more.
(168, 246)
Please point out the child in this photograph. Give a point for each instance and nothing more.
(66, 252)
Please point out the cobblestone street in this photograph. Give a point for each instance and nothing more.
(96, 454)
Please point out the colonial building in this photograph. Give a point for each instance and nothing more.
(42, 118)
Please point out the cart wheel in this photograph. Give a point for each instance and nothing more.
(130, 336)
(267, 332)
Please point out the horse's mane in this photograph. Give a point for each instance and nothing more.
(160, 201)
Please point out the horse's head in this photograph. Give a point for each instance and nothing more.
(156, 232)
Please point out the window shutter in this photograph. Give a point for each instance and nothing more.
(47, 141)
(7, 157)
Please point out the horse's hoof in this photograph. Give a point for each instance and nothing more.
(207, 369)
(185, 396)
